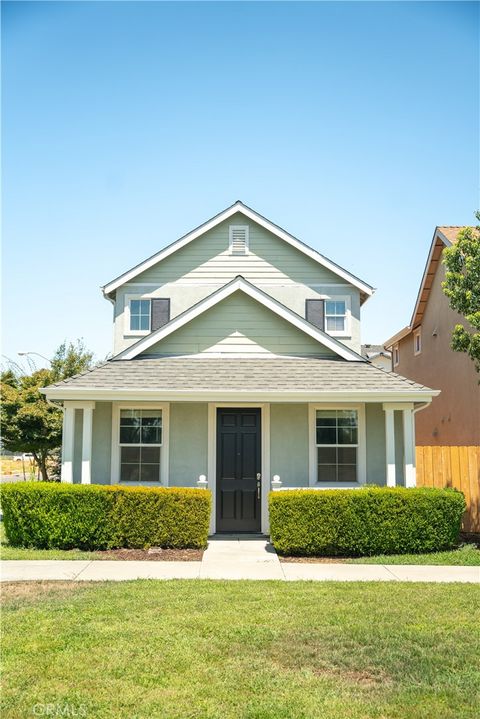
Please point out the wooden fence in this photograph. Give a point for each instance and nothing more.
(457, 467)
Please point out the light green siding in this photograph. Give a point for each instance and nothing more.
(198, 269)
(208, 258)
(188, 443)
(239, 324)
(289, 443)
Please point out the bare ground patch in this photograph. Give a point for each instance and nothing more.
(12, 592)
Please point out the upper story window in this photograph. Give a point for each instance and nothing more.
(417, 341)
(238, 239)
(337, 317)
(140, 315)
(396, 355)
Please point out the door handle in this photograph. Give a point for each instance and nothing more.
(259, 484)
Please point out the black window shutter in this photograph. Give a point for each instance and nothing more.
(314, 313)
(160, 313)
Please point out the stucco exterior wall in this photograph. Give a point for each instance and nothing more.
(289, 453)
(453, 418)
(188, 444)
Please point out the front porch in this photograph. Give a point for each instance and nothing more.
(239, 450)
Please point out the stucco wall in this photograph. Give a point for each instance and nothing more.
(188, 443)
(289, 443)
(188, 449)
(453, 418)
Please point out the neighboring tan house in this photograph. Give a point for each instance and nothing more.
(378, 356)
(422, 352)
(237, 366)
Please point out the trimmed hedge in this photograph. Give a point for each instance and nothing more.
(92, 517)
(366, 521)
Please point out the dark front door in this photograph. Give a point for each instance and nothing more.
(238, 470)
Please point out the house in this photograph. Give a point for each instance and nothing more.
(236, 365)
(378, 356)
(422, 353)
(448, 431)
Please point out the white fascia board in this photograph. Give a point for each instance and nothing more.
(437, 235)
(239, 283)
(206, 395)
(210, 224)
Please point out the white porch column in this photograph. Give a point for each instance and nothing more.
(409, 448)
(390, 445)
(67, 442)
(87, 442)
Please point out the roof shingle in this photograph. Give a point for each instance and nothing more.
(277, 374)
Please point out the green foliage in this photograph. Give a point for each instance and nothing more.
(70, 360)
(90, 517)
(367, 521)
(29, 422)
(462, 287)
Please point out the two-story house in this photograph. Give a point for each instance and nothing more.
(237, 364)
(448, 432)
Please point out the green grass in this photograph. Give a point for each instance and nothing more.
(242, 650)
(467, 555)
(8, 552)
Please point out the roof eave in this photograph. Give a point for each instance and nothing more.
(238, 206)
(209, 395)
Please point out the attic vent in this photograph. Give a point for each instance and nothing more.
(238, 239)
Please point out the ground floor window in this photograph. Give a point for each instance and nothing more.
(140, 445)
(337, 445)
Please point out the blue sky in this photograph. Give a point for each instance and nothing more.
(352, 125)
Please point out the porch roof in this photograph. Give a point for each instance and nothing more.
(273, 377)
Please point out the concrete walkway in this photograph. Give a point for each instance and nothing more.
(231, 558)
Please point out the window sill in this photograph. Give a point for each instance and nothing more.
(136, 333)
(140, 484)
(336, 485)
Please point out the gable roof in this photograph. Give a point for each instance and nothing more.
(239, 283)
(444, 236)
(365, 289)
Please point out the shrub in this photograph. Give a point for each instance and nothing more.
(92, 517)
(367, 521)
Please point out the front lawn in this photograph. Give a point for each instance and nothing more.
(242, 650)
(467, 555)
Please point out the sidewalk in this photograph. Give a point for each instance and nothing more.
(231, 558)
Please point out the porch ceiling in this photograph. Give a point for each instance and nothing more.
(270, 376)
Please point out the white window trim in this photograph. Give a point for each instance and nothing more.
(347, 332)
(126, 329)
(417, 334)
(230, 240)
(361, 451)
(396, 355)
(164, 407)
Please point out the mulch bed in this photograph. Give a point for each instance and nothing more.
(157, 555)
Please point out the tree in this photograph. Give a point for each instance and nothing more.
(29, 422)
(462, 287)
